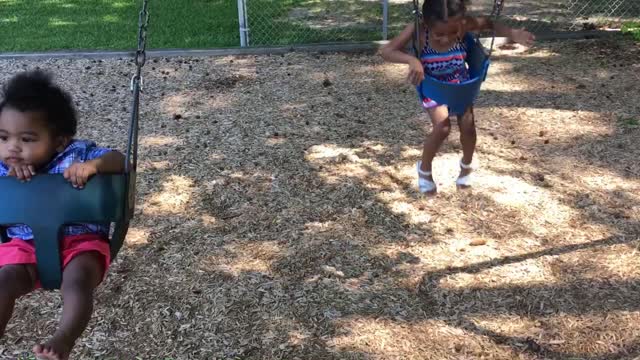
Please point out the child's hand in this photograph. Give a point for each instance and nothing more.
(22, 172)
(522, 36)
(79, 173)
(416, 72)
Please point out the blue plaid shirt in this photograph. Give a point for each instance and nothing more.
(77, 151)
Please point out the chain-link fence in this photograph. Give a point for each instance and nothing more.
(557, 16)
(288, 22)
(285, 22)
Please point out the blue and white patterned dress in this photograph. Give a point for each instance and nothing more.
(447, 66)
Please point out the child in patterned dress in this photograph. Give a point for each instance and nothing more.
(442, 57)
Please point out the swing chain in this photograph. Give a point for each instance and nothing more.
(495, 14)
(497, 8)
(416, 8)
(416, 31)
(137, 84)
(141, 53)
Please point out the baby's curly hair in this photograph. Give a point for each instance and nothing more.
(433, 10)
(35, 91)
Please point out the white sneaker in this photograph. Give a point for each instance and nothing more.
(465, 181)
(425, 184)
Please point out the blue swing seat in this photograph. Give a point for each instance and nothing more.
(459, 96)
(47, 202)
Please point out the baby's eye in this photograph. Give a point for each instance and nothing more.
(28, 140)
(4, 138)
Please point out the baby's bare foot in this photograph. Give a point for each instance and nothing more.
(57, 348)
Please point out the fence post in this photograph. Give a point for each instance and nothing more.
(385, 19)
(243, 23)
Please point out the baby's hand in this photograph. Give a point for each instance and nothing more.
(416, 72)
(522, 36)
(22, 172)
(79, 173)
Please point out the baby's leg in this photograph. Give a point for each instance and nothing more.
(467, 126)
(441, 128)
(15, 281)
(79, 280)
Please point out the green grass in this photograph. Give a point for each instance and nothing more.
(39, 25)
(632, 28)
(28, 25)
(630, 122)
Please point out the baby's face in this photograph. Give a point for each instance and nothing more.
(443, 34)
(25, 139)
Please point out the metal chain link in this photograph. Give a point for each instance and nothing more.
(497, 8)
(417, 15)
(495, 14)
(137, 84)
(141, 53)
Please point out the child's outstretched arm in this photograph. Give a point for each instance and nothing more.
(110, 163)
(394, 52)
(520, 36)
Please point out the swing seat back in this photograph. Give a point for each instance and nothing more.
(459, 96)
(48, 202)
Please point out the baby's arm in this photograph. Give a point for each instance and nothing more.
(484, 23)
(79, 173)
(109, 163)
(394, 52)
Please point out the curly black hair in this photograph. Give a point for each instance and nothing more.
(434, 10)
(35, 91)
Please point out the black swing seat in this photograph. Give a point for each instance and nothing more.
(47, 202)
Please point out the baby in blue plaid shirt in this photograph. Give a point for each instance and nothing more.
(37, 126)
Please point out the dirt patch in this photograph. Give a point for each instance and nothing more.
(269, 227)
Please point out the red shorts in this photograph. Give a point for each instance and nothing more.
(18, 251)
